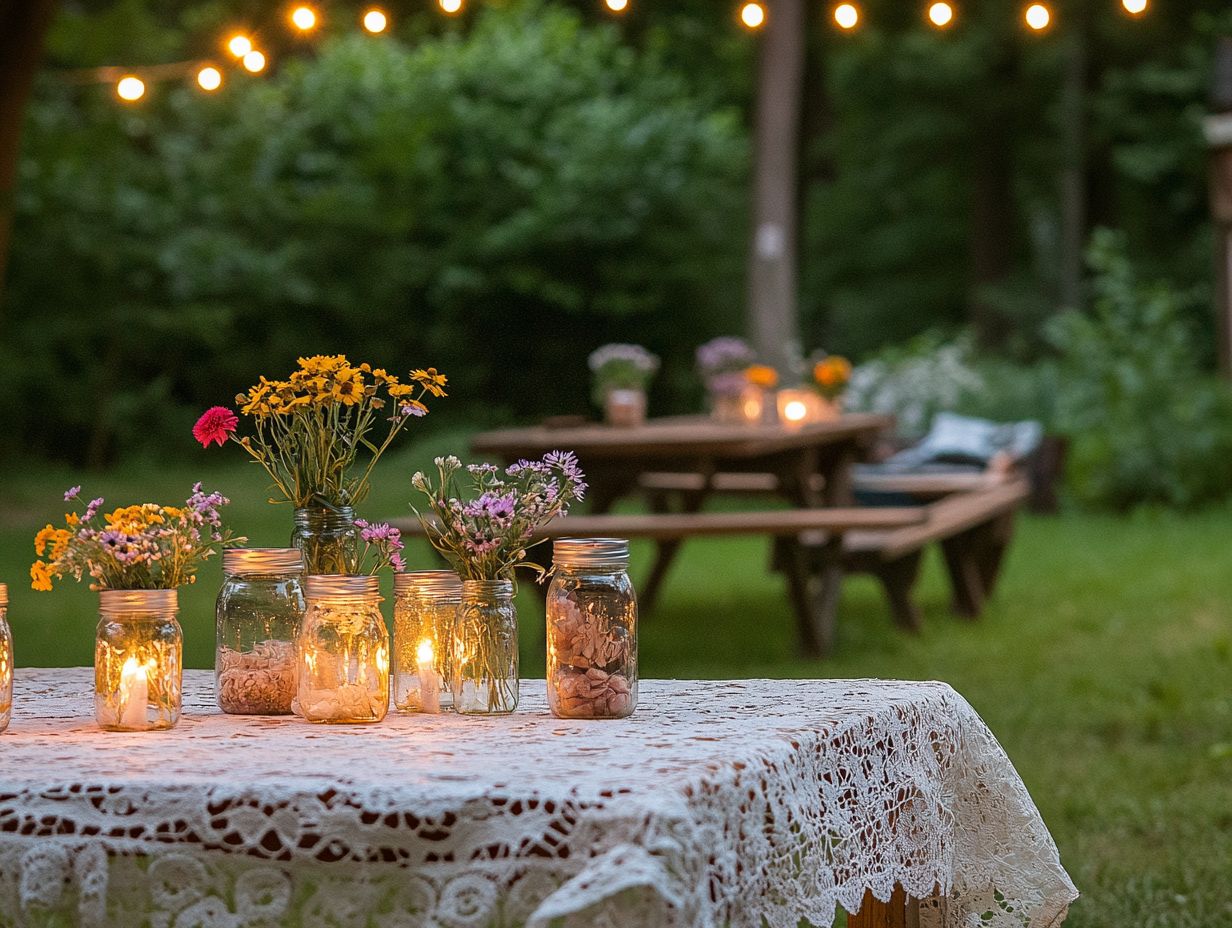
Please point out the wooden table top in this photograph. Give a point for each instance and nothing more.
(676, 436)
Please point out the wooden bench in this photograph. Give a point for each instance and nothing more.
(919, 486)
(808, 548)
(973, 528)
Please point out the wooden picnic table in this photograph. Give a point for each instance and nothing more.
(615, 458)
(811, 463)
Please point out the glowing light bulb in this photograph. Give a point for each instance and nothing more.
(239, 46)
(753, 15)
(1134, 7)
(304, 18)
(254, 61)
(209, 78)
(941, 14)
(617, 6)
(130, 88)
(451, 6)
(1037, 17)
(847, 15)
(375, 21)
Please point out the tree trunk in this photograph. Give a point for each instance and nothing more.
(23, 26)
(772, 273)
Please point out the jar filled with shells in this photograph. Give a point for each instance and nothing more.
(342, 653)
(592, 630)
(425, 607)
(259, 611)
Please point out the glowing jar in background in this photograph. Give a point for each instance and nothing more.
(258, 615)
(425, 608)
(342, 653)
(591, 630)
(6, 660)
(138, 660)
(801, 406)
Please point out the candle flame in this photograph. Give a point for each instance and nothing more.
(795, 411)
(132, 670)
(425, 654)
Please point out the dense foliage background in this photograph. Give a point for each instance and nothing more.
(501, 193)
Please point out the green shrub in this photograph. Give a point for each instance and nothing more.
(1147, 424)
(497, 203)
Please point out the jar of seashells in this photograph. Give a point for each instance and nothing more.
(259, 611)
(342, 653)
(425, 607)
(592, 630)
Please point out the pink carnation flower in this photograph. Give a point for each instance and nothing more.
(215, 424)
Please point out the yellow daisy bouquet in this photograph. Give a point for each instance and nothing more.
(307, 433)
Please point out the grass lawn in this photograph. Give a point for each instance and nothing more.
(1104, 664)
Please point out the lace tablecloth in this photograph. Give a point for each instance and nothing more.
(716, 804)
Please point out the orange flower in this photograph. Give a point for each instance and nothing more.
(762, 375)
(40, 576)
(833, 372)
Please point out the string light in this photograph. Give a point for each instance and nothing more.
(1134, 7)
(254, 62)
(239, 45)
(451, 6)
(617, 6)
(941, 14)
(375, 21)
(130, 88)
(304, 18)
(1037, 17)
(753, 15)
(847, 15)
(209, 79)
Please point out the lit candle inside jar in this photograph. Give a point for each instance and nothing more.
(429, 684)
(134, 695)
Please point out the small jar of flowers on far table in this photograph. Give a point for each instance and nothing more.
(481, 519)
(137, 557)
(308, 432)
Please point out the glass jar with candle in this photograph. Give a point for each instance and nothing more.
(485, 667)
(591, 630)
(6, 660)
(425, 607)
(138, 660)
(342, 653)
(258, 613)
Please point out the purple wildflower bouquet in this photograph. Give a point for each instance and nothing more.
(486, 536)
(382, 548)
(142, 547)
(722, 363)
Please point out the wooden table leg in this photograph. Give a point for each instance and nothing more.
(900, 912)
(814, 575)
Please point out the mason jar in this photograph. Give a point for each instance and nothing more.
(342, 652)
(258, 614)
(138, 660)
(485, 668)
(425, 608)
(328, 538)
(6, 660)
(591, 630)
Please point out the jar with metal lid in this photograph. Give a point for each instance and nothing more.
(342, 652)
(425, 608)
(138, 660)
(6, 660)
(258, 615)
(591, 630)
